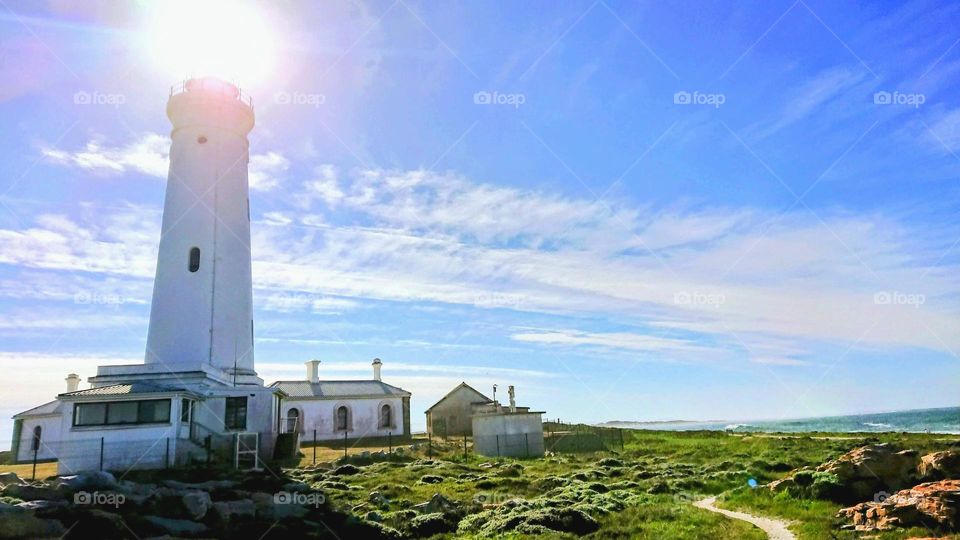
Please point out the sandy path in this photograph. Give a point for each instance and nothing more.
(775, 528)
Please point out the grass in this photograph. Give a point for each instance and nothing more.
(44, 470)
(652, 482)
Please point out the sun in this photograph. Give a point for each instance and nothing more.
(230, 40)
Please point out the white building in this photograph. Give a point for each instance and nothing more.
(507, 431)
(331, 410)
(197, 385)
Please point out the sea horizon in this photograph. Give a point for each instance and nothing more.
(943, 420)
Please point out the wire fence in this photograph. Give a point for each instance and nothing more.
(560, 437)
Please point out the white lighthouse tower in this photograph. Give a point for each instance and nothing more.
(202, 310)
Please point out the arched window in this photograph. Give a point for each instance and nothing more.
(342, 418)
(293, 420)
(386, 416)
(194, 259)
(37, 434)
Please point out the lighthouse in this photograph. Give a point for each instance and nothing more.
(202, 310)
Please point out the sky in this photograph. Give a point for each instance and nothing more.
(629, 211)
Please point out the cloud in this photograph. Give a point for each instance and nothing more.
(149, 155)
(616, 340)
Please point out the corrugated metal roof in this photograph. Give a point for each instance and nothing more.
(338, 389)
(52, 407)
(124, 389)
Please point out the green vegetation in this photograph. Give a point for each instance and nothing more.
(645, 491)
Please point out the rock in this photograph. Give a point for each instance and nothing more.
(346, 470)
(209, 485)
(176, 527)
(42, 505)
(782, 484)
(610, 462)
(19, 523)
(30, 492)
(431, 479)
(936, 466)
(438, 504)
(266, 508)
(373, 516)
(870, 469)
(196, 503)
(933, 505)
(430, 524)
(378, 499)
(8, 478)
(88, 481)
(228, 510)
(296, 487)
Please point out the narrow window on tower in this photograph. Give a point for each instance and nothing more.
(194, 259)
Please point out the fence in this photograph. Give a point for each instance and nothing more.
(509, 445)
(571, 438)
(98, 454)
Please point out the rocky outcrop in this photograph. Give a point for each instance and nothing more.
(935, 505)
(855, 476)
(20, 523)
(940, 466)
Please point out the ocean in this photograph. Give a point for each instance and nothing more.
(944, 420)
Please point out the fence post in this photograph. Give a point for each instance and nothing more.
(526, 443)
(464, 446)
(498, 445)
(344, 443)
(166, 457)
(208, 446)
(389, 442)
(314, 446)
(621, 439)
(102, 442)
(429, 446)
(36, 449)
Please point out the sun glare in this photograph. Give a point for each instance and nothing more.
(199, 38)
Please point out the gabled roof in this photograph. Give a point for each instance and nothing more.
(52, 407)
(125, 389)
(338, 389)
(484, 399)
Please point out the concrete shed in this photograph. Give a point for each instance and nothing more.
(502, 432)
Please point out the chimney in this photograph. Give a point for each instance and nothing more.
(313, 370)
(513, 402)
(376, 369)
(73, 382)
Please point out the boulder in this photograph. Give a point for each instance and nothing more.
(19, 523)
(438, 504)
(378, 499)
(871, 469)
(8, 478)
(176, 527)
(933, 505)
(939, 466)
(209, 485)
(31, 492)
(229, 510)
(196, 503)
(346, 470)
(267, 508)
(431, 479)
(430, 524)
(88, 481)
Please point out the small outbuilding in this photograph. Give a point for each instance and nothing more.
(507, 431)
(451, 416)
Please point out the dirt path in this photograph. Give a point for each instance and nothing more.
(775, 528)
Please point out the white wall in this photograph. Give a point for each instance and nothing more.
(319, 414)
(49, 437)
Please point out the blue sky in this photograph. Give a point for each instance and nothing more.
(685, 210)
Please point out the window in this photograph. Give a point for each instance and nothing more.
(37, 433)
(235, 417)
(342, 415)
(293, 420)
(194, 259)
(116, 413)
(386, 419)
(186, 407)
